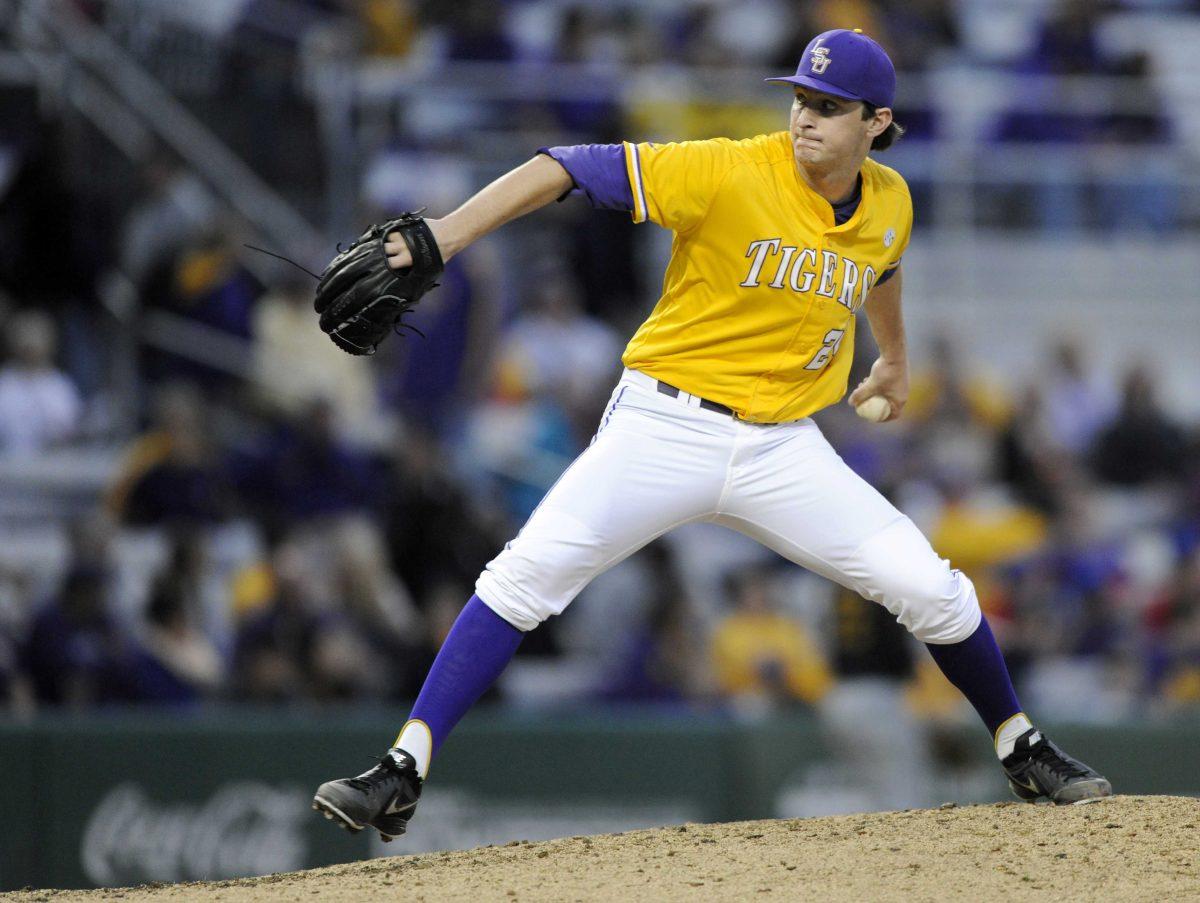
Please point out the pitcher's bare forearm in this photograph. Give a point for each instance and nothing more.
(523, 190)
(887, 320)
(889, 374)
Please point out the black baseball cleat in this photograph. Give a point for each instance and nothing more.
(383, 798)
(1038, 769)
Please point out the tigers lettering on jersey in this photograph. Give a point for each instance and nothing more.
(761, 275)
(798, 272)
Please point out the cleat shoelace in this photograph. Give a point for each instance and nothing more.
(368, 779)
(1044, 754)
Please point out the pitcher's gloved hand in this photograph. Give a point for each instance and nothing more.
(361, 299)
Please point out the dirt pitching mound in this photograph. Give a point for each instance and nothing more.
(1124, 848)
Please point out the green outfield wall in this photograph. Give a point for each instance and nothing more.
(133, 798)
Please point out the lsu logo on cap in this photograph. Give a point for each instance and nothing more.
(820, 59)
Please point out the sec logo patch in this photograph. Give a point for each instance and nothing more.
(888, 237)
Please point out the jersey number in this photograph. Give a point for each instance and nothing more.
(833, 341)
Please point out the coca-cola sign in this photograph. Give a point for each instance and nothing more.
(243, 829)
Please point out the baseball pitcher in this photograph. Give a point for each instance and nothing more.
(777, 241)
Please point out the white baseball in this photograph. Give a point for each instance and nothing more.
(876, 409)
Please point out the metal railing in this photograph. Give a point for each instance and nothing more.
(77, 65)
(124, 102)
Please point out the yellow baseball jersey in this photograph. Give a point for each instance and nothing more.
(758, 300)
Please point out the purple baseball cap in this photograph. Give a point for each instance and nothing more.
(846, 64)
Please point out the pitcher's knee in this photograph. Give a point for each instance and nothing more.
(934, 602)
(945, 610)
(510, 604)
(542, 570)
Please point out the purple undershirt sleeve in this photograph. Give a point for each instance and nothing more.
(598, 171)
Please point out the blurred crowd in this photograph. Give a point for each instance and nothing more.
(227, 508)
(1051, 114)
(257, 540)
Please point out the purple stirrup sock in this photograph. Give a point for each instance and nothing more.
(477, 649)
(976, 666)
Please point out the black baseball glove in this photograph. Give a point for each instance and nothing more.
(361, 299)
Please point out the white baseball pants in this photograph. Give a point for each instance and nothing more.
(658, 462)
